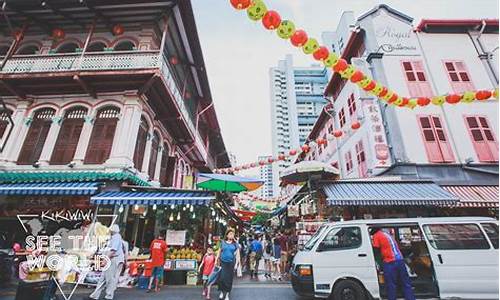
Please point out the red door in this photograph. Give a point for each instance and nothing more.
(483, 139)
(436, 142)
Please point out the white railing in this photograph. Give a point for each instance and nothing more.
(98, 61)
(103, 61)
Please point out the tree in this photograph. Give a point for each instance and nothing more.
(260, 218)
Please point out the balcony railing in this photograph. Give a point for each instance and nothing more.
(105, 61)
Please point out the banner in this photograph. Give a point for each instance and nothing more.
(176, 237)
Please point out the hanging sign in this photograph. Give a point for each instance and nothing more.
(176, 237)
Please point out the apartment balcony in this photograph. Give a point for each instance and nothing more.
(148, 72)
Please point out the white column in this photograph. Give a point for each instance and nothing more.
(83, 141)
(17, 135)
(159, 156)
(147, 153)
(50, 142)
(122, 152)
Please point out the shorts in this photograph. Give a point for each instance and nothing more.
(157, 272)
(204, 277)
(284, 257)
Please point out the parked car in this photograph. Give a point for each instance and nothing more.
(452, 257)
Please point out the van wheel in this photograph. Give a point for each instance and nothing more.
(348, 290)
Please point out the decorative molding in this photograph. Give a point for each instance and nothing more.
(57, 120)
(28, 121)
(89, 119)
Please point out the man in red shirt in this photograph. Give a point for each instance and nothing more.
(393, 266)
(157, 249)
(284, 245)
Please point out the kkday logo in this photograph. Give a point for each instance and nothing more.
(68, 250)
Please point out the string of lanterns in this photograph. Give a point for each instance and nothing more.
(286, 29)
(336, 134)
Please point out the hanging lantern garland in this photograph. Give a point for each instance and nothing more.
(291, 153)
(271, 20)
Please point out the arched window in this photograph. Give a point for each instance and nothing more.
(96, 47)
(167, 167)
(37, 134)
(68, 48)
(124, 46)
(155, 143)
(69, 135)
(103, 133)
(3, 50)
(140, 144)
(4, 122)
(28, 50)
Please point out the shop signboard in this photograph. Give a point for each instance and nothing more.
(185, 264)
(169, 265)
(293, 210)
(376, 133)
(176, 237)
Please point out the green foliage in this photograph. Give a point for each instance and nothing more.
(260, 218)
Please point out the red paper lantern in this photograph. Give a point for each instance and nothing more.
(383, 92)
(293, 152)
(174, 60)
(58, 33)
(299, 38)
(321, 141)
(118, 29)
(271, 20)
(281, 157)
(483, 95)
(305, 148)
(337, 133)
(262, 162)
(357, 76)
(253, 165)
(404, 102)
(321, 53)
(355, 125)
(393, 98)
(340, 66)
(423, 101)
(241, 4)
(370, 86)
(270, 160)
(453, 98)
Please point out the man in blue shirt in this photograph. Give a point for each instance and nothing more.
(256, 251)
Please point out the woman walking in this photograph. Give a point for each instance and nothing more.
(276, 259)
(228, 257)
(268, 251)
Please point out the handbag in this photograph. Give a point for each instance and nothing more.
(214, 276)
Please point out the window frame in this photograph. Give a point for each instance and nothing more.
(337, 230)
(495, 246)
(485, 140)
(436, 247)
(62, 141)
(106, 116)
(351, 104)
(342, 117)
(43, 118)
(440, 144)
(458, 86)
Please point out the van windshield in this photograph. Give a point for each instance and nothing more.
(312, 241)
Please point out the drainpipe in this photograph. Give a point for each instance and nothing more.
(484, 52)
(447, 122)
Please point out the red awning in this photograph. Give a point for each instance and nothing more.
(475, 195)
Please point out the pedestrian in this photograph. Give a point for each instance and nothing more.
(228, 257)
(268, 250)
(158, 249)
(393, 264)
(276, 257)
(284, 245)
(255, 256)
(116, 254)
(207, 265)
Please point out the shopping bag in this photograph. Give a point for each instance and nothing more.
(239, 273)
(214, 276)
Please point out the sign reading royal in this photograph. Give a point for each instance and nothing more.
(394, 37)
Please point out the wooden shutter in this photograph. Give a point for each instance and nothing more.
(351, 103)
(103, 133)
(361, 158)
(416, 79)
(167, 169)
(342, 119)
(35, 139)
(436, 141)
(483, 139)
(68, 137)
(458, 76)
(155, 143)
(140, 144)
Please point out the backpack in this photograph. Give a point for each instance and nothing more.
(269, 248)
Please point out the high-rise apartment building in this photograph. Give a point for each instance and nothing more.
(266, 174)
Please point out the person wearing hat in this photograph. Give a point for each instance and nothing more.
(116, 255)
(393, 264)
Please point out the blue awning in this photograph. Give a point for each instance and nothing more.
(49, 188)
(279, 211)
(387, 193)
(176, 197)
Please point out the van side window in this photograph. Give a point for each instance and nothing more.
(491, 230)
(345, 238)
(455, 236)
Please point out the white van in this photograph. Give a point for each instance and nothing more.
(454, 257)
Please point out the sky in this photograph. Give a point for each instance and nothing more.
(239, 52)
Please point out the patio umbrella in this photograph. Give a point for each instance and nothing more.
(227, 183)
(308, 170)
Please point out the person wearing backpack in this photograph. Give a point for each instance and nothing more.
(255, 256)
(268, 251)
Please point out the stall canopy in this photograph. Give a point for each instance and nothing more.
(385, 193)
(227, 183)
(175, 197)
(475, 195)
(50, 188)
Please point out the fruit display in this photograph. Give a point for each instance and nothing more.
(184, 253)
